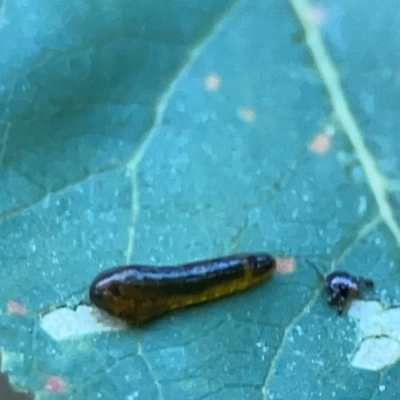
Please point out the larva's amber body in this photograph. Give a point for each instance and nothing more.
(139, 293)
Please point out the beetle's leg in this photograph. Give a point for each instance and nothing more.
(340, 304)
(333, 295)
(369, 283)
(332, 299)
(321, 276)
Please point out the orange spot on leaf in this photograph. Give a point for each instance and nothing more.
(321, 144)
(286, 265)
(322, 141)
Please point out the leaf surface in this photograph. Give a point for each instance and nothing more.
(161, 133)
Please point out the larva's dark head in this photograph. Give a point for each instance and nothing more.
(263, 264)
(107, 291)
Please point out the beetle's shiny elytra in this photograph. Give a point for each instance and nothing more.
(140, 293)
(342, 287)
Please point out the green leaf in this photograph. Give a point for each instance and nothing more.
(164, 132)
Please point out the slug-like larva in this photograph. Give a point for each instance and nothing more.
(140, 293)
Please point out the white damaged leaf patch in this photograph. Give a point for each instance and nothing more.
(65, 323)
(380, 335)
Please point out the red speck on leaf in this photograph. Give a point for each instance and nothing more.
(55, 384)
(15, 307)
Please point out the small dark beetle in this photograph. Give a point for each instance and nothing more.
(342, 287)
